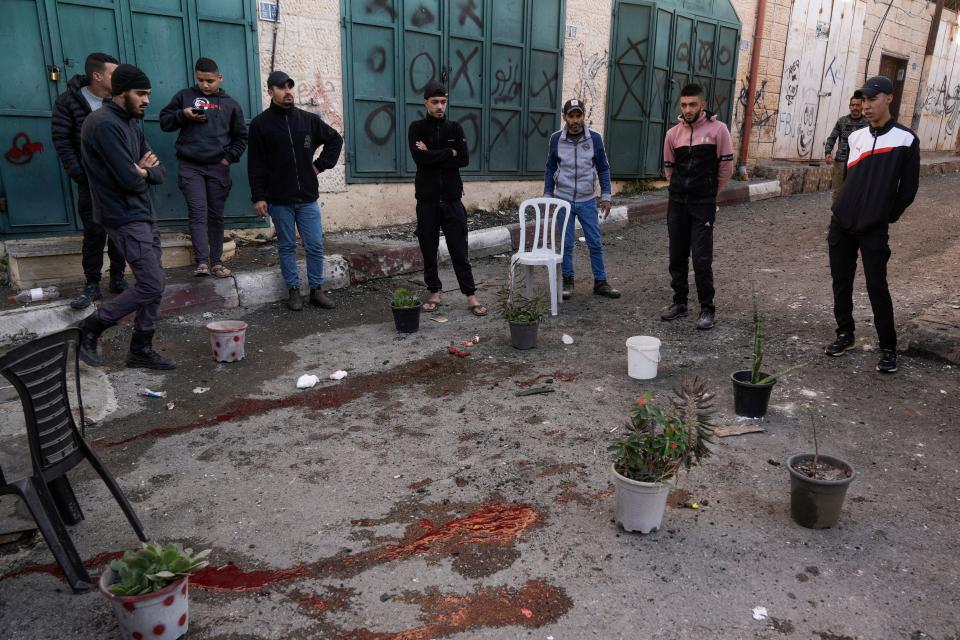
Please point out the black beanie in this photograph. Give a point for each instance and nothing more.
(433, 90)
(127, 77)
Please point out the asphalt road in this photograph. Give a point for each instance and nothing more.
(421, 498)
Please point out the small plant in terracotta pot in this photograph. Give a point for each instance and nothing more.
(659, 442)
(148, 590)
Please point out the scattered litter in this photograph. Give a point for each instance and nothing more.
(398, 476)
(153, 394)
(259, 350)
(619, 237)
(206, 315)
(737, 430)
(867, 347)
(180, 318)
(201, 389)
(535, 391)
(693, 505)
(943, 391)
(306, 381)
(439, 318)
(759, 613)
(809, 393)
(338, 375)
(526, 612)
(170, 406)
(773, 462)
(567, 339)
(582, 239)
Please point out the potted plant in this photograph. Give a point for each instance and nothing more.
(657, 444)
(818, 486)
(148, 590)
(524, 315)
(406, 311)
(752, 387)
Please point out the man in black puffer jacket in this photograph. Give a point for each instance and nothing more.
(439, 148)
(84, 95)
(212, 136)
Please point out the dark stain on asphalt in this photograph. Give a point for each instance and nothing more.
(446, 376)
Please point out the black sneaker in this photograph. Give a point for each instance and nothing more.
(674, 311)
(888, 361)
(567, 287)
(706, 320)
(603, 288)
(90, 293)
(843, 342)
(295, 300)
(118, 285)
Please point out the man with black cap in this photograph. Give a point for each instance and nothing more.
(439, 148)
(213, 135)
(85, 94)
(883, 173)
(575, 161)
(283, 182)
(121, 168)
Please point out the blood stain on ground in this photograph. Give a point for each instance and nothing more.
(561, 376)
(678, 498)
(561, 468)
(53, 568)
(534, 605)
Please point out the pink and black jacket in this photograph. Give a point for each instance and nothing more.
(698, 159)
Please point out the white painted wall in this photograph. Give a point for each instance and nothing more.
(940, 101)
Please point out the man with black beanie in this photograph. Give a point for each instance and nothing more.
(121, 167)
(213, 135)
(85, 94)
(439, 149)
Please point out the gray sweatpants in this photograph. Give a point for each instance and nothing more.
(139, 243)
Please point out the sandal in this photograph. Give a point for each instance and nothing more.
(220, 271)
(202, 270)
(478, 310)
(430, 306)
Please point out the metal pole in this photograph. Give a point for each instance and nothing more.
(752, 85)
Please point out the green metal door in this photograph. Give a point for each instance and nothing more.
(657, 48)
(163, 37)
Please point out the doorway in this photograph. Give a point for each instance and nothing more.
(895, 69)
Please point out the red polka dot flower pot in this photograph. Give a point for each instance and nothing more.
(149, 591)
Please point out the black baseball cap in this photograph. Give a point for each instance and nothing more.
(278, 79)
(572, 105)
(875, 85)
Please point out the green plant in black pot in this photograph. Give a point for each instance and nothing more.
(406, 310)
(524, 315)
(658, 443)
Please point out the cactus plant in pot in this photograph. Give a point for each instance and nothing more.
(148, 590)
(752, 387)
(658, 444)
(818, 486)
(406, 311)
(523, 314)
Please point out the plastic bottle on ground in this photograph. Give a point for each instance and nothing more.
(37, 294)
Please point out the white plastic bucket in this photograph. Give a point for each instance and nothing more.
(643, 356)
(228, 339)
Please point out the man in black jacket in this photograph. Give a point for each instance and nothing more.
(121, 167)
(84, 95)
(212, 136)
(283, 182)
(883, 173)
(439, 149)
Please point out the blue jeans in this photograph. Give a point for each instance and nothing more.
(304, 217)
(586, 212)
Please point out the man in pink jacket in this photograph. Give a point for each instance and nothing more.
(698, 162)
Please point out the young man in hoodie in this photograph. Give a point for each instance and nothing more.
(122, 167)
(576, 160)
(883, 174)
(84, 95)
(439, 148)
(283, 183)
(213, 135)
(698, 162)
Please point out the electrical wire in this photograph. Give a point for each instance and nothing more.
(873, 43)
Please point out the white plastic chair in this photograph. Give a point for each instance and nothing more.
(547, 247)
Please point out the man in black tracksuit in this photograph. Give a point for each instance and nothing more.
(883, 173)
(213, 135)
(85, 94)
(121, 168)
(439, 148)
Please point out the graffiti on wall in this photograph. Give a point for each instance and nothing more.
(588, 70)
(938, 104)
(322, 97)
(760, 115)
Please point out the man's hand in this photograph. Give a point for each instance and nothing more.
(225, 162)
(828, 158)
(420, 145)
(194, 117)
(605, 208)
(148, 160)
(260, 208)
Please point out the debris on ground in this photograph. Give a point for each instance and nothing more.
(206, 315)
(170, 406)
(201, 389)
(737, 430)
(149, 393)
(535, 391)
(567, 339)
(306, 381)
(338, 375)
(759, 613)
(440, 318)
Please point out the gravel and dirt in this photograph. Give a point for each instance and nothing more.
(421, 498)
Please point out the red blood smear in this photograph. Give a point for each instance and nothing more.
(233, 578)
(54, 569)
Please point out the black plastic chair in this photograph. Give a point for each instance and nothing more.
(38, 371)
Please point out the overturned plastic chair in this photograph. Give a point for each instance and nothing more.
(38, 371)
(546, 249)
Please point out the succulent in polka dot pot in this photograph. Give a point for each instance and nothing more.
(148, 589)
